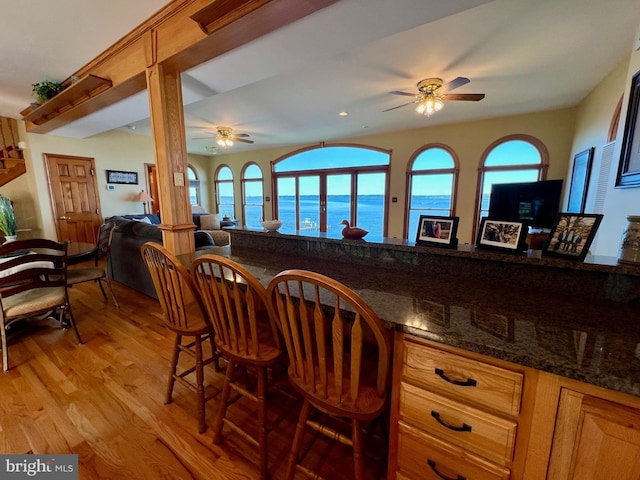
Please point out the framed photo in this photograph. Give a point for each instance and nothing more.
(629, 167)
(572, 235)
(117, 176)
(502, 235)
(437, 231)
(580, 181)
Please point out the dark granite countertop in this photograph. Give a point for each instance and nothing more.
(593, 340)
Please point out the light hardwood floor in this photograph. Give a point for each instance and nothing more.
(103, 400)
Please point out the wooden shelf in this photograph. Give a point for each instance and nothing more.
(74, 95)
(224, 12)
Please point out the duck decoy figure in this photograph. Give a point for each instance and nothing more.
(355, 233)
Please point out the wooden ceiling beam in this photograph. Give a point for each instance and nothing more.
(173, 38)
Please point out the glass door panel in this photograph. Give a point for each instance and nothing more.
(338, 203)
(287, 205)
(370, 204)
(309, 195)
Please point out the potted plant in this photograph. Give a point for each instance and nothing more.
(46, 90)
(7, 219)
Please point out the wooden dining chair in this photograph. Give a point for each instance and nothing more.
(338, 353)
(97, 273)
(33, 281)
(184, 314)
(244, 334)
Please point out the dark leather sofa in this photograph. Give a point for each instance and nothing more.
(126, 265)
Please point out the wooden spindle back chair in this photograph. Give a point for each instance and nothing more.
(185, 315)
(339, 354)
(33, 281)
(244, 334)
(97, 273)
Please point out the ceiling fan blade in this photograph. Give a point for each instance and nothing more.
(399, 106)
(455, 83)
(473, 97)
(242, 140)
(202, 138)
(241, 135)
(406, 94)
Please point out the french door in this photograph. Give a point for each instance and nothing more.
(319, 202)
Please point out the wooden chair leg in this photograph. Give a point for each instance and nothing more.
(174, 366)
(356, 439)
(262, 422)
(297, 440)
(5, 348)
(222, 410)
(202, 423)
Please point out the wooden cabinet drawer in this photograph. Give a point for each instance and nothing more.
(423, 457)
(479, 383)
(467, 427)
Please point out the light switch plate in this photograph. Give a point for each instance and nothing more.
(178, 179)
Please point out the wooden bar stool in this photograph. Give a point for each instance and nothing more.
(338, 352)
(244, 334)
(185, 315)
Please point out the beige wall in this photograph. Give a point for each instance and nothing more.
(468, 140)
(113, 150)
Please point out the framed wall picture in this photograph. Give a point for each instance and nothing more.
(572, 235)
(437, 231)
(117, 176)
(629, 167)
(580, 181)
(502, 235)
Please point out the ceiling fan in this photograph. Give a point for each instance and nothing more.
(432, 94)
(225, 137)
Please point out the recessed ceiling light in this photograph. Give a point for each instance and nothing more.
(343, 113)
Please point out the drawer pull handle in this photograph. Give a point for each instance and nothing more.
(469, 383)
(463, 428)
(432, 464)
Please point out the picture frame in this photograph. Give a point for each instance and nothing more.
(579, 186)
(502, 235)
(121, 177)
(629, 166)
(437, 231)
(568, 227)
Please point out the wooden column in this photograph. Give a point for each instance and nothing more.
(167, 125)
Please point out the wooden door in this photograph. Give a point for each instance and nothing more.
(595, 439)
(152, 187)
(73, 193)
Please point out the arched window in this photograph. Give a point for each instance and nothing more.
(194, 186)
(516, 158)
(317, 188)
(252, 196)
(431, 185)
(224, 191)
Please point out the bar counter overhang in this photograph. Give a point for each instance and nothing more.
(576, 320)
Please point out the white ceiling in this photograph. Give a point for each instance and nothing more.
(288, 87)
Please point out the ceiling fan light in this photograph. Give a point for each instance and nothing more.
(421, 108)
(220, 141)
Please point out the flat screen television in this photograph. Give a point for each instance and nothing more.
(536, 203)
